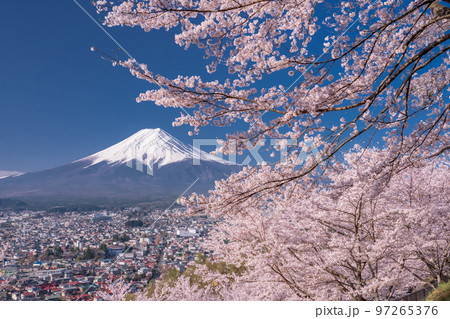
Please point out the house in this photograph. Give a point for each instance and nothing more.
(27, 296)
(115, 250)
(53, 297)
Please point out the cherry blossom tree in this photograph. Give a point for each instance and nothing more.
(350, 69)
(364, 233)
(424, 195)
(181, 289)
(365, 224)
(114, 290)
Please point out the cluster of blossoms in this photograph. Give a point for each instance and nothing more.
(363, 232)
(381, 67)
(369, 224)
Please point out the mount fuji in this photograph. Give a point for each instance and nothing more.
(149, 166)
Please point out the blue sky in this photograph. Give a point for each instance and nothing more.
(59, 101)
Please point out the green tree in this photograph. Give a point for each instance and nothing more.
(88, 253)
(134, 223)
(441, 293)
(104, 248)
(121, 237)
(57, 252)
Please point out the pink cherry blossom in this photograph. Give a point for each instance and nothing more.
(350, 222)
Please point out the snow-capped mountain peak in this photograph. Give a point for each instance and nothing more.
(150, 147)
(150, 166)
(5, 174)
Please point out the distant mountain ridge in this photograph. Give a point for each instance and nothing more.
(149, 165)
(5, 174)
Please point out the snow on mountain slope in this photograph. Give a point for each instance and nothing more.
(149, 166)
(4, 174)
(150, 146)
